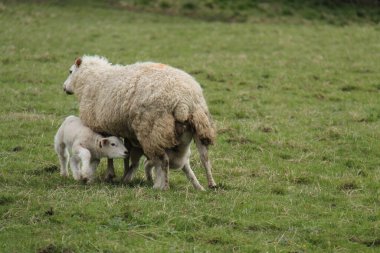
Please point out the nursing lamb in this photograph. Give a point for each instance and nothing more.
(79, 144)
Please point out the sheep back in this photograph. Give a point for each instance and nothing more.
(142, 102)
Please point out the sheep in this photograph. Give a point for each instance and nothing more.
(151, 105)
(85, 146)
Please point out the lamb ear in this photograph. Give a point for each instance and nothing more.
(78, 62)
(104, 142)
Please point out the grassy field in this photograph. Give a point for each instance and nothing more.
(297, 157)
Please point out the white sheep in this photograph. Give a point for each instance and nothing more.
(152, 105)
(77, 143)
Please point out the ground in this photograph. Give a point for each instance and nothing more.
(297, 158)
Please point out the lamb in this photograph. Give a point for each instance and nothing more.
(178, 158)
(85, 146)
(158, 109)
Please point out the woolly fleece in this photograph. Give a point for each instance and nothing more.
(141, 102)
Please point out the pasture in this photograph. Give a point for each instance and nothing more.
(297, 158)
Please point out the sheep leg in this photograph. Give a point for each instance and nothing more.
(136, 154)
(162, 169)
(126, 166)
(128, 145)
(203, 152)
(60, 149)
(191, 176)
(148, 170)
(110, 174)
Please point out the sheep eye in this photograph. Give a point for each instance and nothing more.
(113, 144)
(70, 71)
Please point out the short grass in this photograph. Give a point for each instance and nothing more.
(338, 12)
(297, 157)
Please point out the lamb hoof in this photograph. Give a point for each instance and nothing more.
(76, 177)
(200, 189)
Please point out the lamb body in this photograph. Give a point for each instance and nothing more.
(152, 105)
(79, 144)
(179, 158)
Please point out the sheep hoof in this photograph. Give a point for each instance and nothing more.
(64, 175)
(86, 180)
(212, 186)
(160, 187)
(109, 178)
(127, 180)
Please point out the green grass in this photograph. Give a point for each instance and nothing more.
(297, 157)
(337, 12)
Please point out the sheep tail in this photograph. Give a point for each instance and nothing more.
(204, 130)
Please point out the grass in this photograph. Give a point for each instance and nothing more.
(297, 156)
(336, 12)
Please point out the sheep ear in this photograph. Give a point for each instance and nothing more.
(78, 62)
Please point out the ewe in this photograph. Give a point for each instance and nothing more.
(80, 144)
(157, 109)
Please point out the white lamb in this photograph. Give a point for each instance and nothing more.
(158, 109)
(179, 158)
(79, 144)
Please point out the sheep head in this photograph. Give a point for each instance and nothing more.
(68, 86)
